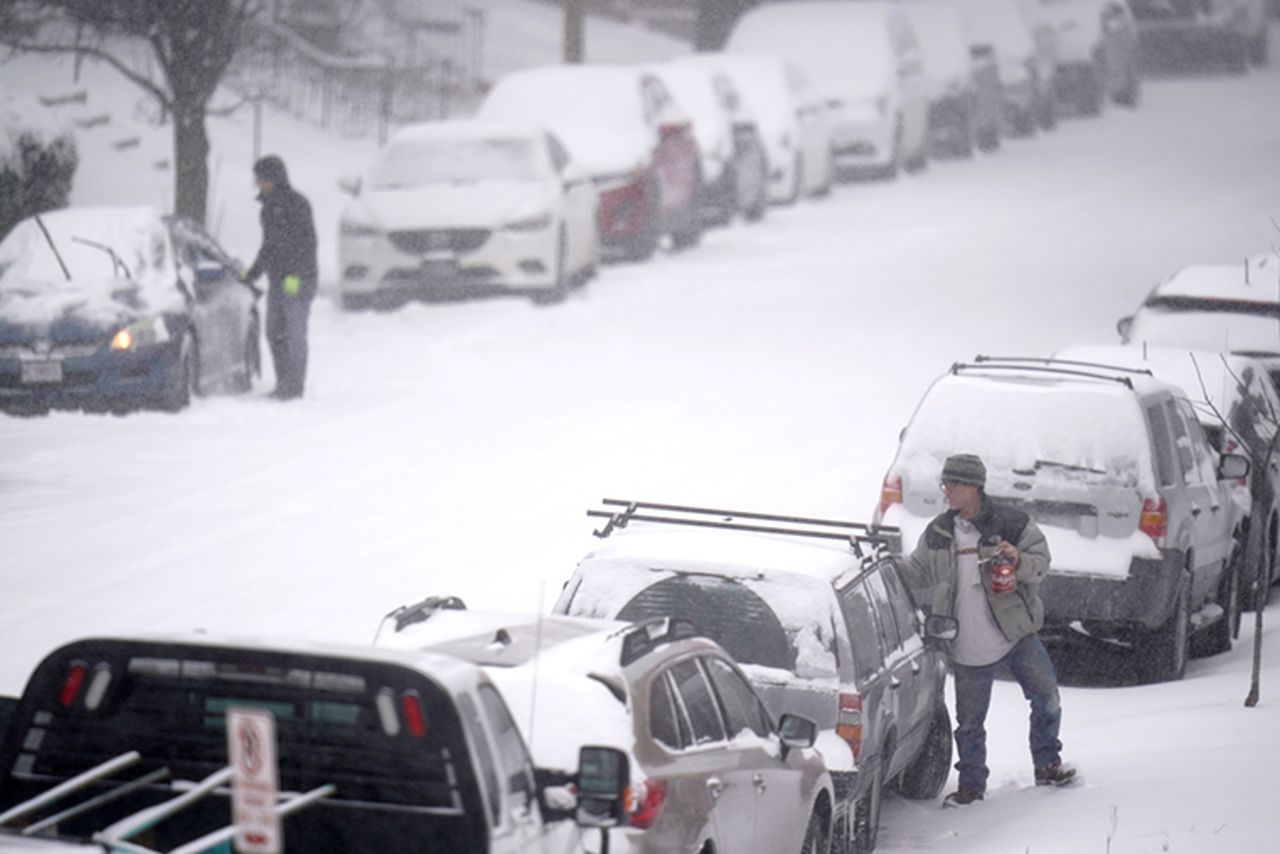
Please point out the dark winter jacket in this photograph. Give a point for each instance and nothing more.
(288, 232)
(930, 571)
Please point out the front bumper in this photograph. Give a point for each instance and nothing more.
(87, 377)
(1109, 608)
(427, 260)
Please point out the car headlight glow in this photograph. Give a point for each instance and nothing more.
(357, 229)
(537, 222)
(142, 333)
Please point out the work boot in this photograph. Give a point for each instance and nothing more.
(962, 797)
(1055, 774)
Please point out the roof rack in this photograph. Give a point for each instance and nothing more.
(989, 365)
(116, 837)
(641, 639)
(864, 540)
(1073, 363)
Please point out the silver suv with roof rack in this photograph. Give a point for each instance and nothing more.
(815, 615)
(121, 744)
(1115, 468)
(710, 769)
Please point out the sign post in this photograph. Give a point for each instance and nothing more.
(251, 747)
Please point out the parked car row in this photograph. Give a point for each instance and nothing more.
(801, 95)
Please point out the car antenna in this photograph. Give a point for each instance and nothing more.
(537, 654)
(54, 247)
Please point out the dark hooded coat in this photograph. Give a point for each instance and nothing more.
(288, 231)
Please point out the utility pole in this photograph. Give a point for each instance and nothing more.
(574, 27)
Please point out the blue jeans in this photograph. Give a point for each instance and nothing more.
(287, 336)
(1030, 665)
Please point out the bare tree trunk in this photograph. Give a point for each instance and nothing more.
(191, 156)
(1255, 686)
(574, 27)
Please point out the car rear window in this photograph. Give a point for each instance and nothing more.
(169, 703)
(1087, 428)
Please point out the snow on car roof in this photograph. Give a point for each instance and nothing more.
(568, 95)
(826, 38)
(496, 638)
(1206, 330)
(465, 129)
(1202, 374)
(940, 31)
(1253, 280)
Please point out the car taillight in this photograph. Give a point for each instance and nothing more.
(414, 720)
(71, 685)
(849, 722)
(645, 801)
(1155, 519)
(891, 492)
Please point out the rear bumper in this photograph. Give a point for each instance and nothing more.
(1111, 607)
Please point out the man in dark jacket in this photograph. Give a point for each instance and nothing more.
(288, 257)
(982, 563)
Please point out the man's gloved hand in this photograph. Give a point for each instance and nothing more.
(292, 284)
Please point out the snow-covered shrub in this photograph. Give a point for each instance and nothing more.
(37, 159)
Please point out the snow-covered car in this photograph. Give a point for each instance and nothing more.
(1234, 30)
(710, 770)
(816, 616)
(1223, 307)
(862, 55)
(115, 308)
(376, 749)
(734, 167)
(964, 90)
(634, 140)
(1114, 467)
(1023, 50)
(790, 115)
(1239, 410)
(467, 207)
(1097, 53)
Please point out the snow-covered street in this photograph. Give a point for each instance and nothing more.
(453, 448)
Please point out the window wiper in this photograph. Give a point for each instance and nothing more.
(56, 254)
(116, 264)
(1053, 464)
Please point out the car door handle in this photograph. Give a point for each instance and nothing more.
(758, 779)
(715, 787)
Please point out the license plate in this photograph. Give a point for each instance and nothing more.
(42, 372)
(434, 269)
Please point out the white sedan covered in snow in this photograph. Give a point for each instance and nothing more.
(464, 208)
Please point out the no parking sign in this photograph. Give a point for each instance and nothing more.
(251, 746)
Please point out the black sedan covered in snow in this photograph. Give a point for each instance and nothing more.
(116, 308)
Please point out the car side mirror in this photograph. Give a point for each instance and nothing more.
(795, 731)
(1233, 466)
(604, 775)
(939, 627)
(350, 184)
(1124, 326)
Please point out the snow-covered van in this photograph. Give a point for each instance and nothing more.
(1116, 470)
(124, 742)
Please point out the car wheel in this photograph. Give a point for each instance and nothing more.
(989, 138)
(1161, 654)
(184, 379)
(1217, 638)
(643, 244)
(866, 814)
(690, 231)
(1131, 94)
(927, 773)
(815, 836)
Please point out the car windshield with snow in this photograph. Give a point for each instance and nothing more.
(120, 307)
(1115, 468)
(817, 618)
(711, 769)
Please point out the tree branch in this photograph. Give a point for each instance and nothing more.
(97, 53)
